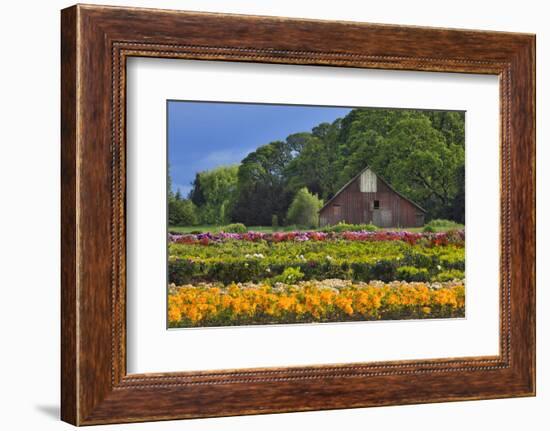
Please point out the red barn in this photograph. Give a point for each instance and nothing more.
(367, 198)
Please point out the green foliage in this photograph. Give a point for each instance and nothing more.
(304, 209)
(196, 229)
(410, 273)
(261, 184)
(429, 228)
(417, 161)
(235, 228)
(453, 274)
(420, 153)
(181, 212)
(313, 168)
(443, 223)
(346, 227)
(289, 275)
(214, 193)
(244, 261)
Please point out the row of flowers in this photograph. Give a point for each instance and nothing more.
(433, 239)
(242, 261)
(312, 301)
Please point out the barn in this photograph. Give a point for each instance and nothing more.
(367, 198)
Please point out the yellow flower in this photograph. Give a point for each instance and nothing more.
(190, 305)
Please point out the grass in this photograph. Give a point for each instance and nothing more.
(269, 229)
(216, 229)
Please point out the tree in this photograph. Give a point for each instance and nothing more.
(261, 185)
(214, 193)
(304, 209)
(418, 162)
(420, 153)
(315, 164)
(196, 194)
(181, 212)
(459, 205)
(169, 182)
(450, 124)
(311, 168)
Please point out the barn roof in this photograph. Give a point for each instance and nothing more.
(378, 176)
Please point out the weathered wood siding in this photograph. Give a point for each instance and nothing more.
(352, 205)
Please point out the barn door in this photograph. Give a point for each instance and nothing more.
(386, 218)
(382, 217)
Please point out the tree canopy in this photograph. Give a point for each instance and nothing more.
(420, 153)
(214, 193)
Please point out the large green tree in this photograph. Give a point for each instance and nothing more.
(261, 184)
(416, 159)
(314, 166)
(214, 193)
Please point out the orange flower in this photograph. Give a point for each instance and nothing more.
(311, 301)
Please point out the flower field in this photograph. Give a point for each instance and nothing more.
(312, 301)
(300, 277)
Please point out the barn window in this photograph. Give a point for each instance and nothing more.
(376, 205)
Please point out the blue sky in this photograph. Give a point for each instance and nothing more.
(204, 135)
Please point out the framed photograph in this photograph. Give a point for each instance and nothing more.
(264, 214)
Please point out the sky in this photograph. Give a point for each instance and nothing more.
(204, 135)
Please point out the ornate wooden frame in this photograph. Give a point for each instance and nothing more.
(95, 42)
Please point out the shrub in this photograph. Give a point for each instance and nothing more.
(410, 273)
(443, 223)
(262, 260)
(419, 259)
(183, 271)
(453, 274)
(289, 275)
(304, 209)
(384, 270)
(346, 227)
(235, 228)
(368, 227)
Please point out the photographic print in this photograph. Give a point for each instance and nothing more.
(285, 214)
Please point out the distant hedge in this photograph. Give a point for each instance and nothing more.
(346, 227)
